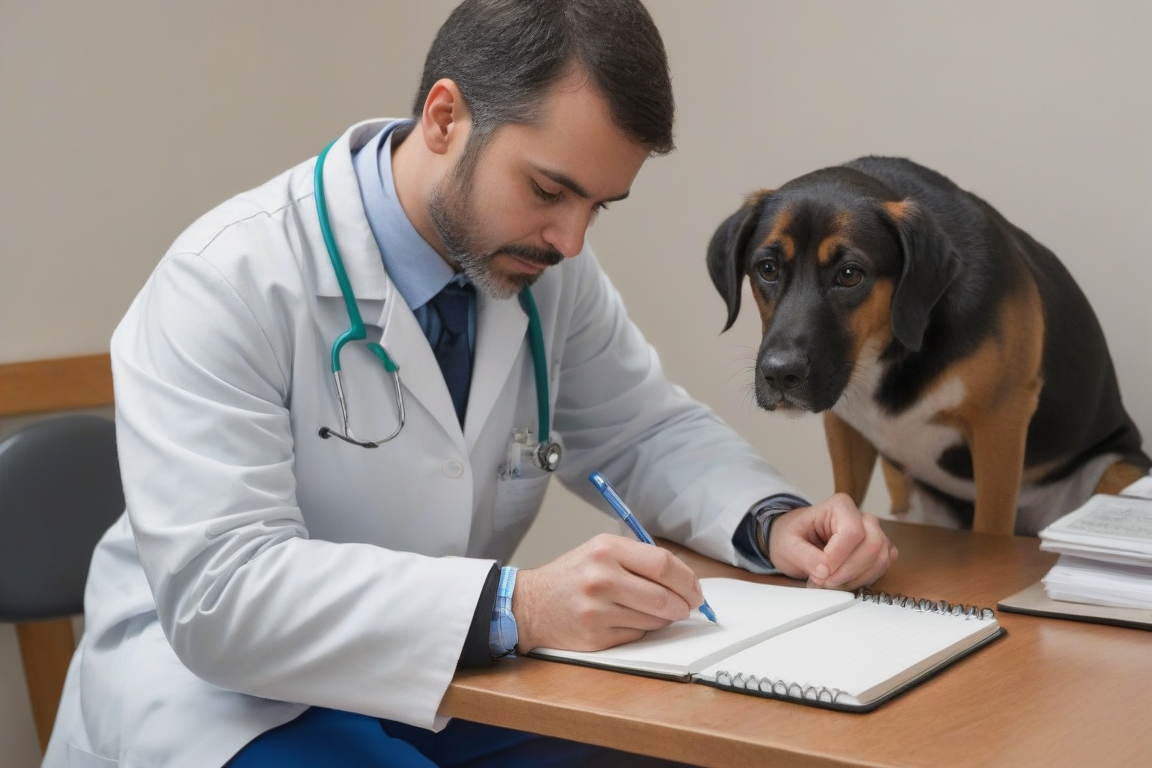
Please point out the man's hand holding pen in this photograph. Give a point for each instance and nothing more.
(609, 590)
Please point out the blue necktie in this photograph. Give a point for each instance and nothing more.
(451, 347)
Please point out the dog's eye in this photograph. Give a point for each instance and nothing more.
(849, 276)
(767, 270)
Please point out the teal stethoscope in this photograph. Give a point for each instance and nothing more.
(545, 453)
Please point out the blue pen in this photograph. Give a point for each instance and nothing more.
(625, 514)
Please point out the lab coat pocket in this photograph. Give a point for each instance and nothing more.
(517, 498)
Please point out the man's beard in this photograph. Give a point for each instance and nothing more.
(457, 227)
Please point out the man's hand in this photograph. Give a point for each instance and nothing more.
(833, 544)
(609, 590)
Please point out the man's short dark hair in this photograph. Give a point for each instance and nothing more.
(504, 55)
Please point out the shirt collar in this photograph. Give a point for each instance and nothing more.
(414, 266)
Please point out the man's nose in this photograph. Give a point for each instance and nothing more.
(566, 231)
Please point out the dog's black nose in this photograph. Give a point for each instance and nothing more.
(784, 371)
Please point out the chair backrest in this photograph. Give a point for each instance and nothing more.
(59, 491)
(42, 387)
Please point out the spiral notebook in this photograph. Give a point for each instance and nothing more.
(824, 648)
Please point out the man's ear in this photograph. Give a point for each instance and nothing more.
(445, 116)
(930, 265)
(726, 251)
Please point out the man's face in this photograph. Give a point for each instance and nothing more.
(525, 203)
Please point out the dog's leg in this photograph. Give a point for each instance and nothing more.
(899, 487)
(853, 457)
(997, 442)
(1118, 477)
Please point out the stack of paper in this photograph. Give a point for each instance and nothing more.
(1106, 553)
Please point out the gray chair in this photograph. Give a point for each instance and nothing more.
(59, 491)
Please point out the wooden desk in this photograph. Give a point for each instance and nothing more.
(1051, 693)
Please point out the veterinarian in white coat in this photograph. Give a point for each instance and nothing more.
(298, 569)
(261, 569)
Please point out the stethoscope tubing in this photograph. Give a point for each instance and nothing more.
(549, 452)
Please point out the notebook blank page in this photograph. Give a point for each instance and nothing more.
(864, 651)
(748, 612)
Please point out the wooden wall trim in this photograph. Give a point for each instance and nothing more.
(57, 384)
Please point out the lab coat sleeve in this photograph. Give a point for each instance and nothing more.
(248, 602)
(682, 470)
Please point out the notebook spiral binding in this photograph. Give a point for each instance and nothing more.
(926, 606)
(777, 687)
(818, 693)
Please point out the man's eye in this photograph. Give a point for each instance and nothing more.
(767, 270)
(541, 193)
(849, 276)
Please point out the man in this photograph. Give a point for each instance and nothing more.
(276, 596)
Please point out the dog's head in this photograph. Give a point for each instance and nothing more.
(838, 264)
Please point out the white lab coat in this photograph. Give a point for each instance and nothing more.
(260, 569)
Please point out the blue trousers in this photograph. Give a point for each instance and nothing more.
(335, 739)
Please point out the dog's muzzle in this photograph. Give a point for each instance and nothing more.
(782, 376)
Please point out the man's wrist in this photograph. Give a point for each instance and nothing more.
(503, 635)
(753, 537)
(767, 512)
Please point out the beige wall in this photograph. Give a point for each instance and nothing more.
(121, 121)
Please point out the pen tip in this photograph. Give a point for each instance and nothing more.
(709, 613)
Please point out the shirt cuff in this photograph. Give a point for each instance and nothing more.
(502, 636)
(475, 651)
(751, 536)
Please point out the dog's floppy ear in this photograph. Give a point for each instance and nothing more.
(930, 265)
(726, 251)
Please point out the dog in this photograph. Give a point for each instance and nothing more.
(931, 332)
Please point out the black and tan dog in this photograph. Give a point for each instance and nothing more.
(933, 332)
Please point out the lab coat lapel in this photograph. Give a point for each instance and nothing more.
(353, 235)
(500, 337)
(402, 336)
(420, 373)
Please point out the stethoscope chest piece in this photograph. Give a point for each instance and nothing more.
(547, 455)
